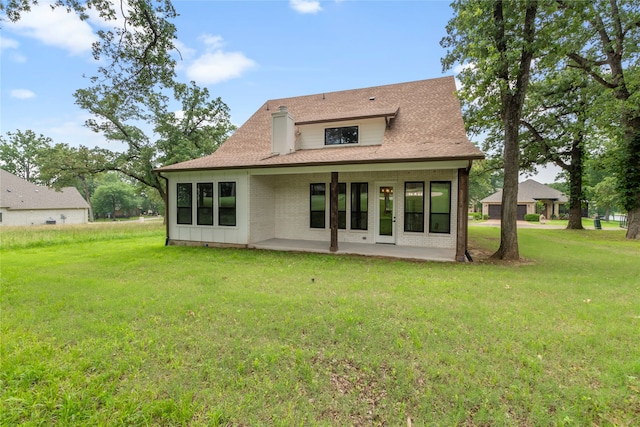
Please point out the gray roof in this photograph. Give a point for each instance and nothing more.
(18, 194)
(531, 191)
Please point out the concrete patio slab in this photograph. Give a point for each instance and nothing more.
(366, 249)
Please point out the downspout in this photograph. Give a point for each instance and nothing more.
(463, 207)
(166, 207)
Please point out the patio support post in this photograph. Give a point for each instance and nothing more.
(333, 212)
(463, 220)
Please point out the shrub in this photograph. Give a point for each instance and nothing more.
(532, 217)
(477, 216)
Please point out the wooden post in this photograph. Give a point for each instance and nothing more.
(333, 212)
(463, 214)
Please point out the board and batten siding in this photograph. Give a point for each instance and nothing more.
(370, 132)
(237, 234)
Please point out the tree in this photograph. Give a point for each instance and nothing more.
(20, 152)
(114, 197)
(558, 124)
(607, 49)
(484, 180)
(605, 195)
(64, 166)
(496, 41)
(128, 96)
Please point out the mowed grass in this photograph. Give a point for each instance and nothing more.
(104, 325)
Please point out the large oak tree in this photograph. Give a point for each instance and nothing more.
(496, 42)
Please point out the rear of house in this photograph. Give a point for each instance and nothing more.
(389, 164)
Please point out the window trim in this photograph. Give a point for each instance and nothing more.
(199, 207)
(342, 128)
(407, 213)
(185, 208)
(324, 207)
(227, 209)
(431, 212)
(356, 215)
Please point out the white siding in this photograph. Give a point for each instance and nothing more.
(207, 233)
(280, 207)
(370, 132)
(11, 218)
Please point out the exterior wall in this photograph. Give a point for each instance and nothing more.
(370, 132)
(12, 218)
(292, 208)
(237, 234)
(278, 206)
(262, 207)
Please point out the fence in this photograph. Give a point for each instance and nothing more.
(623, 221)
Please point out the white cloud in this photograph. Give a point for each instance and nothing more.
(214, 42)
(305, 6)
(216, 65)
(22, 94)
(55, 28)
(6, 43)
(219, 66)
(8, 47)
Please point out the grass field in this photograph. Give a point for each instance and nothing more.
(103, 325)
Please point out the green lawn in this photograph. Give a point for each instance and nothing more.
(103, 325)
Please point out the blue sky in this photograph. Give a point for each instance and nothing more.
(243, 51)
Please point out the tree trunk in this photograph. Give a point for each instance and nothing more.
(633, 224)
(575, 190)
(631, 176)
(87, 196)
(508, 249)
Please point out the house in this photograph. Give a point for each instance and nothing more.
(530, 193)
(23, 203)
(342, 171)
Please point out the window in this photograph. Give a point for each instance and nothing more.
(414, 206)
(184, 196)
(317, 205)
(339, 136)
(342, 205)
(227, 203)
(205, 203)
(440, 207)
(359, 205)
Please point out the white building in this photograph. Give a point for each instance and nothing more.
(397, 158)
(23, 203)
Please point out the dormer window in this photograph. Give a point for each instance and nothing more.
(341, 135)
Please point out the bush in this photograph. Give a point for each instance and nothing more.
(532, 217)
(477, 216)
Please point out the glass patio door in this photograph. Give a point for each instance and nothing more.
(386, 215)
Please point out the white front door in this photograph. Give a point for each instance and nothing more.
(385, 214)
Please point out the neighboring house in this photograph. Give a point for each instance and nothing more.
(23, 203)
(530, 192)
(397, 156)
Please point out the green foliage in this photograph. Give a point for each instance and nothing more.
(20, 154)
(130, 332)
(532, 217)
(113, 198)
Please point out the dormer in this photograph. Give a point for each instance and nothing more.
(351, 128)
(282, 132)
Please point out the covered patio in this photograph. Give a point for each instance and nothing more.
(366, 249)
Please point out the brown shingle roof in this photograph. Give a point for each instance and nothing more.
(17, 194)
(427, 126)
(530, 191)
